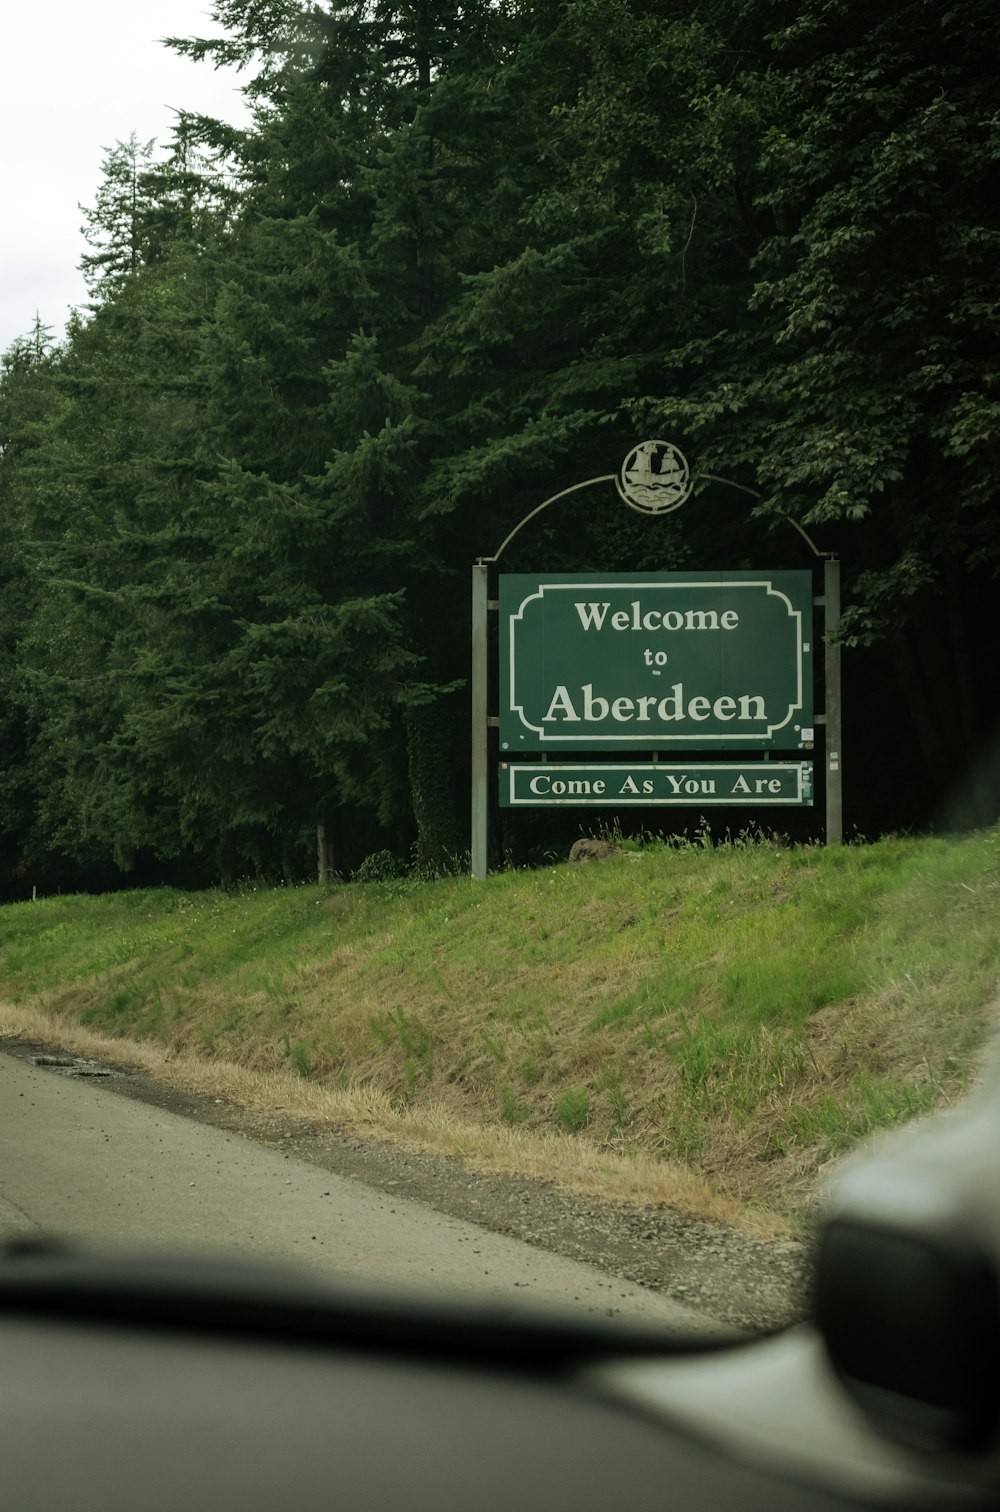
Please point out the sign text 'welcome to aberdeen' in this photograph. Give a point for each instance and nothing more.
(638, 661)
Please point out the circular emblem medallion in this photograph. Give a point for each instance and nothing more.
(655, 477)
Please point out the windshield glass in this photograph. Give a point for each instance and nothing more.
(552, 941)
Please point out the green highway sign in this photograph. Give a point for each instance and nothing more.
(699, 661)
(651, 784)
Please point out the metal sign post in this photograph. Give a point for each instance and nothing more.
(834, 736)
(480, 719)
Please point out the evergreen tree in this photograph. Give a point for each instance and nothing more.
(864, 395)
(117, 225)
(463, 255)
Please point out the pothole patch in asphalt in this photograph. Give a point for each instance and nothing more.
(73, 1065)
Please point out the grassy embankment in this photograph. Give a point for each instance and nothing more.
(702, 1027)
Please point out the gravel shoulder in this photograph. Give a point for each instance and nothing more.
(751, 1284)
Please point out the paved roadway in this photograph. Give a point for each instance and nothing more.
(78, 1161)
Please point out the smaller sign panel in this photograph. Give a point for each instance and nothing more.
(729, 784)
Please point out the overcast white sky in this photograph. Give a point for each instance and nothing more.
(77, 76)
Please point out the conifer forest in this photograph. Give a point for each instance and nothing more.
(462, 256)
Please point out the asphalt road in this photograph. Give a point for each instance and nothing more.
(79, 1162)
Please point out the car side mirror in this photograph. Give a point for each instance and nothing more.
(907, 1289)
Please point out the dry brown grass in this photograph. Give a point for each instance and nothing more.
(428, 1128)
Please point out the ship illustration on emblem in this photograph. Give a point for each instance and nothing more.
(654, 477)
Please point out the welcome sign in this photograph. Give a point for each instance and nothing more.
(676, 660)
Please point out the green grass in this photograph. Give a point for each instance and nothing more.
(750, 1008)
(298, 1056)
(572, 1109)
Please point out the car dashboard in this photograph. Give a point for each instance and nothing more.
(164, 1381)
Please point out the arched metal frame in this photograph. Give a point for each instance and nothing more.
(562, 494)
